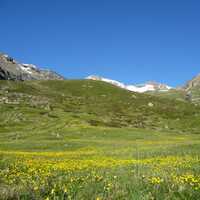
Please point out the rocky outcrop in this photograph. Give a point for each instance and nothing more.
(10, 69)
(193, 83)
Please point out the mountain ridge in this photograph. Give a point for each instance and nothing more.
(10, 69)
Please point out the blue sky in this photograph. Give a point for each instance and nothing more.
(132, 41)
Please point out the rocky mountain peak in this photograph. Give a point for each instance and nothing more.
(10, 69)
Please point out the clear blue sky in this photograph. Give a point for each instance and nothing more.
(128, 40)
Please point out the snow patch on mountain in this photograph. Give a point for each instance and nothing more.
(30, 66)
(149, 86)
(141, 89)
(10, 69)
(26, 68)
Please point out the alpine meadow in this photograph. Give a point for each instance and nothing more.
(110, 107)
(88, 139)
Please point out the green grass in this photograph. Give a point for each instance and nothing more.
(176, 94)
(126, 161)
(191, 95)
(94, 103)
(90, 140)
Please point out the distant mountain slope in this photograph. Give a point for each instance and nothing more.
(10, 69)
(195, 82)
(192, 89)
(149, 86)
(87, 103)
(190, 92)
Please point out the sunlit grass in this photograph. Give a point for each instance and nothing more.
(115, 168)
(96, 141)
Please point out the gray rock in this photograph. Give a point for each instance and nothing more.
(10, 69)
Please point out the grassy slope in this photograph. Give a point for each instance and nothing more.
(88, 140)
(179, 95)
(95, 103)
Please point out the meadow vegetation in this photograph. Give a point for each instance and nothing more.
(90, 140)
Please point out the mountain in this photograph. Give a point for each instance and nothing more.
(192, 89)
(190, 92)
(149, 86)
(11, 69)
(195, 82)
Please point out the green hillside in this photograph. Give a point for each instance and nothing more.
(90, 103)
(190, 92)
(89, 140)
(175, 94)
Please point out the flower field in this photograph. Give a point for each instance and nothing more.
(90, 140)
(116, 168)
